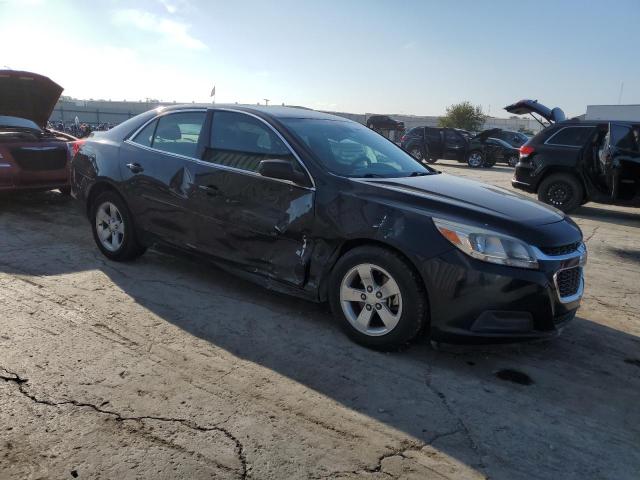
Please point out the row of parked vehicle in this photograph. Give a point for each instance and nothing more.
(482, 150)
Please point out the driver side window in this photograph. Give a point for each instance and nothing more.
(241, 141)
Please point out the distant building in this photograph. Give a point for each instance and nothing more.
(627, 113)
(108, 111)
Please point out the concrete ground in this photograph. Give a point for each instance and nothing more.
(170, 368)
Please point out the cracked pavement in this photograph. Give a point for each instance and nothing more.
(171, 368)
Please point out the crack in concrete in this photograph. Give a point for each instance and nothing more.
(14, 378)
(463, 426)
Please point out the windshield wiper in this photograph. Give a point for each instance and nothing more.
(418, 174)
(373, 175)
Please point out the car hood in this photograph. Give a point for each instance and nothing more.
(524, 107)
(467, 201)
(28, 95)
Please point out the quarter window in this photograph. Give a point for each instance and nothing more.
(571, 137)
(241, 141)
(179, 133)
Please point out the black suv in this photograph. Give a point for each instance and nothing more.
(572, 162)
(428, 144)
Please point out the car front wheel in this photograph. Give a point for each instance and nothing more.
(378, 298)
(113, 229)
(562, 191)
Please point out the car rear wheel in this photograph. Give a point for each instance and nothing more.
(378, 298)
(512, 160)
(475, 159)
(562, 191)
(113, 229)
(417, 153)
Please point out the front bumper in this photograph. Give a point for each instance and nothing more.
(477, 302)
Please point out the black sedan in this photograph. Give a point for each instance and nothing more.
(324, 208)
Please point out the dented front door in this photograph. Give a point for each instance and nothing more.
(257, 222)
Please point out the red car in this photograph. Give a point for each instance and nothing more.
(31, 156)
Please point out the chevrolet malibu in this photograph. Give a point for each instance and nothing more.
(324, 208)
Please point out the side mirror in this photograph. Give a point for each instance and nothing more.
(282, 170)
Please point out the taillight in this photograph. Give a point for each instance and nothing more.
(526, 150)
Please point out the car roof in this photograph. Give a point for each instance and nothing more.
(276, 112)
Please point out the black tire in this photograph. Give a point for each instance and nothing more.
(130, 247)
(413, 311)
(418, 153)
(475, 159)
(561, 190)
(512, 160)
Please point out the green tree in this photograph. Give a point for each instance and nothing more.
(463, 115)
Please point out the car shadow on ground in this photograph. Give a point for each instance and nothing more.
(510, 407)
(591, 212)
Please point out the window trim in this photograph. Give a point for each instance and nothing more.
(129, 141)
(562, 144)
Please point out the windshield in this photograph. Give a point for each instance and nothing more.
(352, 150)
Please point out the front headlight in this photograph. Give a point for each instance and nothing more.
(487, 245)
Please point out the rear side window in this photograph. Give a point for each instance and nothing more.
(145, 136)
(241, 141)
(179, 133)
(571, 136)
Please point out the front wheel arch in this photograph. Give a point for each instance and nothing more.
(351, 244)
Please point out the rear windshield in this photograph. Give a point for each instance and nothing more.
(351, 150)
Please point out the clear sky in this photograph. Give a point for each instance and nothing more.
(413, 56)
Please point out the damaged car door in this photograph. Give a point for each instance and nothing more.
(248, 214)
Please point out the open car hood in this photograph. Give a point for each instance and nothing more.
(28, 95)
(523, 107)
(482, 136)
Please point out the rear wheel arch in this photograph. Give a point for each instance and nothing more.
(564, 170)
(95, 190)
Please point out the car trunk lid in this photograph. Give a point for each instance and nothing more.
(523, 107)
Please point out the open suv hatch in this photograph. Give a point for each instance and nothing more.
(572, 162)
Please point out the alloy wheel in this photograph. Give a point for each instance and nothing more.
(110, 226)
(475, 160)
(371, 299)
(417, 154)
(559, 194)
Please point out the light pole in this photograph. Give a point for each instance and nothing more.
(266, 101)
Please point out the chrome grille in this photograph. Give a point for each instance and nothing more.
(568, 281)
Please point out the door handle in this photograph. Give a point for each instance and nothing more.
(135, 167)
(210, 190)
